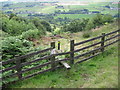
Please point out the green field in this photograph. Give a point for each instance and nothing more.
(94, 6)
(74, 16)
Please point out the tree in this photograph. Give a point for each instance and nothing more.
(89, 25)
(38, 25)
(76, 25)
(46, 25)
(14, 27)
(97, 20)
(107, 19)
(12, 15)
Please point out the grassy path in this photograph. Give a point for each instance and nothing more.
(99, 72)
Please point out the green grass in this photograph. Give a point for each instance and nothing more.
(75, 16)
(99, 72)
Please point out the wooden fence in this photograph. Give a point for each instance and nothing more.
(51, 60)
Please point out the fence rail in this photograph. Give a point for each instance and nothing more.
(52, 61)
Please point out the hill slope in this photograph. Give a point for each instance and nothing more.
(99, 72)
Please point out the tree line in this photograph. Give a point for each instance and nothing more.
(88, 24)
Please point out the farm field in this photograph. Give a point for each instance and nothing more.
(74, 16)
(23, 9)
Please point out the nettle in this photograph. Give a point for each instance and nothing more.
(12, 46)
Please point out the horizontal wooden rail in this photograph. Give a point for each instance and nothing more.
(64, 53)
(25, 56)
(88, 58)
(36, 67)
(87, 53)
(8, 83)
(31, 75)
(87, 40)
(87, 47)
(112, 37)
(9, 76)
(66, 59)
(7, 69)
(112, 43)
(112, 32)
(36, 60)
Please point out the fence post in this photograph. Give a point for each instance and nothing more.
(102, 42)
(53, 57)
(71, 52)
(19, 68)
(58, 45)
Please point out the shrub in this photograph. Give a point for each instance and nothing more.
(14, 27)
(46, 25)
(87, 34)
(76, 25)
(57, 31)
(31, 34)
(12, 46)
(89, 25)
(38, 25)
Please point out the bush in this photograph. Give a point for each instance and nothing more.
(89, 25)
(76, 25)
(57, 31)
(46, 25)
(38, 25)
(31, 34)
(14, 27)
(13, 46)
(87, 34)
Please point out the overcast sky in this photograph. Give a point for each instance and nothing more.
(68, 0)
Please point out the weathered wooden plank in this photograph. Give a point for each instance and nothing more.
(53, 57)
(87, 47)
(9, 76)
(63, 53)
(5, 85)
(112, 37)
(65, 65)
(19, 68)
(87, 58)
(7, 69)
(25, 56)
(65, 59)
(36, 67)
(31, 75)
(91, 51)
(36, 60)
(85, 41)
(72, 52)
(112, 43)
(102, 42)
(112, 32)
